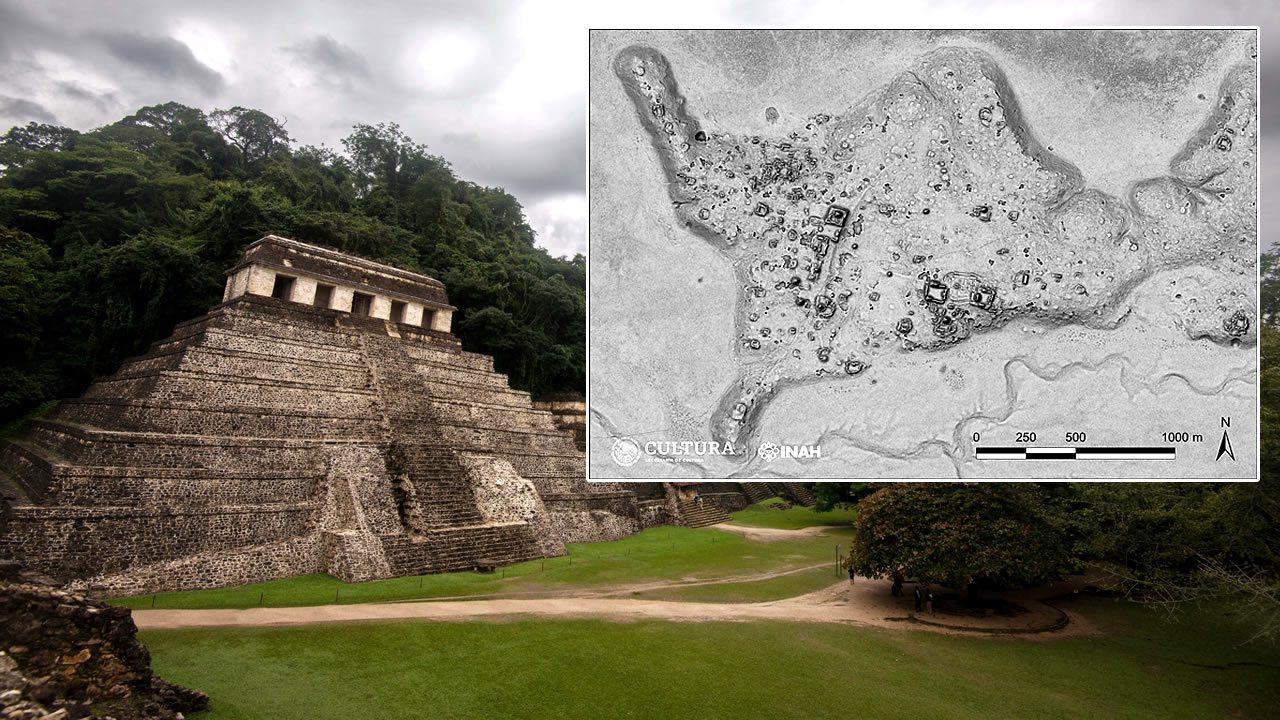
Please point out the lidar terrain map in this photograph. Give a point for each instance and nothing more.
(899, 254)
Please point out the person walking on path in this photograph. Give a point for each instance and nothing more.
(928, 600)
(919, 596)
(852, 573)
(896, 590)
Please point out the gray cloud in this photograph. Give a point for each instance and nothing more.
(160, 56)
(526, 167)
(18, 30)
(333, 60)
(102, 102)
(1269, 99)
(17, 108)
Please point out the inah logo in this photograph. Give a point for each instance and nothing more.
(772, 451)
(626, 452)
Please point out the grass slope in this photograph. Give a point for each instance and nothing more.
(664, 553)
(776, 588)
(793, 518)
(1142, 668)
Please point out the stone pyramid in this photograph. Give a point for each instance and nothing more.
(322, 418)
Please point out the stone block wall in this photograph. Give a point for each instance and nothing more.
(652, 513)
(729, 497)
(239, 566)
(592, 518)
(73, 541)
(570, 413)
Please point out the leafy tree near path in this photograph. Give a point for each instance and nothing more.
(963, 536)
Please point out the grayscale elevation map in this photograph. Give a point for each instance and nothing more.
(902, 254)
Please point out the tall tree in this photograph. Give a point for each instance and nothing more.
(254, 133)
(960, 535)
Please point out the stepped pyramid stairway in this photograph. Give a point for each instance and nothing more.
(256, 442)
(795, 492)
(470, 408)
(800, 494)
(756, 492)
(447, 529)
(700, 514)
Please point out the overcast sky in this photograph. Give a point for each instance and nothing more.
(497, 88)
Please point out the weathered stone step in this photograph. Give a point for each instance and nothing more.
(228, 391)
(276, 330)
(397, 369)
(444, 495)
(494, 440)
(802, 494)
(167, 359)
(435, 355)
(179, 489)
(497, 393)
(239, 324)
(756, 492)
(28, 469)
(64, 440)
(194, 418)
(795, 492)
(101, 511)
(77, 541)
(449, 411)
(527, 464)
(283, 348)
(460, 548)
(242, 363)
(696, 514)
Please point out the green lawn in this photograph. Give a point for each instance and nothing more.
(793, 518)
(665, 553)
(777, 588)
(1143, 667)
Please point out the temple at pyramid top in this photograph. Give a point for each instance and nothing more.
(312, 275)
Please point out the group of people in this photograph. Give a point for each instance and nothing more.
(922, 596)
(924, 599)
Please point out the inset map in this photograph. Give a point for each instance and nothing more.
(934, 254)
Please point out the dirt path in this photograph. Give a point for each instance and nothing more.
(867, 602)
(767, 534)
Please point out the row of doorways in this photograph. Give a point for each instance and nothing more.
(361, 303)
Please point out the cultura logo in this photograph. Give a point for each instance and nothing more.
(626, 452)
(768, 451)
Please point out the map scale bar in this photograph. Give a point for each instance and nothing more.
(1075, 453)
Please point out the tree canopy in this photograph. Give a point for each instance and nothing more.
(112, 236)
(960, 535)
(1166, 543)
